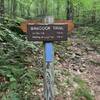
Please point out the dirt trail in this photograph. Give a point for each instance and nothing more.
(83, 61)
(88, 64)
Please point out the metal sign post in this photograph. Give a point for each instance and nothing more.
(48, 66)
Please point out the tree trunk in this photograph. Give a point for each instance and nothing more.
(93, 17)
(14, 5)
(28, 12)
(58, 8)
(69, 10)
(1, 11)
(8, 8)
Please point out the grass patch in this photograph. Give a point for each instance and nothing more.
(82, 92)
(79, 81)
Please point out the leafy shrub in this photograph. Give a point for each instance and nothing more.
(92, 36)
(17, 58)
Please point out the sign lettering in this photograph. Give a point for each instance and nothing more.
(54, 32)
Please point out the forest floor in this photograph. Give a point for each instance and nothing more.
(78, 76)
(84, 63)
(77, 66)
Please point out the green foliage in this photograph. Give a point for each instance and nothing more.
(16, 57)
(19, 58)
(82, 93)
(79, 81)
(83, 9)
(91, 35)
(11, 96)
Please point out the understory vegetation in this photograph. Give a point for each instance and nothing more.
(20, 66)
(21, 61)
(91, 35)
(17, 56)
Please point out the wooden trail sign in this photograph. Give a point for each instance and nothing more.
(51, 32)
(69, 23)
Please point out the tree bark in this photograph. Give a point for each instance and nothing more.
(1, 11)
(69, 10)
(58, 8)
(93, 17)
(14, 6)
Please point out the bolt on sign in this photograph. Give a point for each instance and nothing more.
(43, 32)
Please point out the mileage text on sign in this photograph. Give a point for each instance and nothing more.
(40, 32)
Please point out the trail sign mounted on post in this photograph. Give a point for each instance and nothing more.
(47, 32)
(43, 32)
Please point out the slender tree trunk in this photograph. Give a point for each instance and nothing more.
(28, 11)
(41, 8)
(14, 6)
(77, 11)
(1, 11)
(58, 8)
(21, 10)
(8, 10)
(69, 10)
(93, 17)
(45, 11)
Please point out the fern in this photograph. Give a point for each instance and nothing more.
(16, 55)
